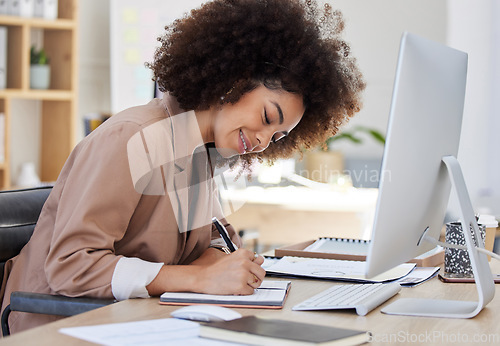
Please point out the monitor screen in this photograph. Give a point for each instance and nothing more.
(424, 125)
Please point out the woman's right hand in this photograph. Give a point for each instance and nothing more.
(238, 273)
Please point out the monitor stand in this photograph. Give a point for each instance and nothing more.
(479, 262)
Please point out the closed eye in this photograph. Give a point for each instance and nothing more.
(266, 117)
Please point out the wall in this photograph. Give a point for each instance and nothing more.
(95, 87)
(134, 27)
(473, 27)
(25, 135)
(374, 30)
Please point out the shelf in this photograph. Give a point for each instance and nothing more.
(58, 105)
(41, 23)
(55, 95)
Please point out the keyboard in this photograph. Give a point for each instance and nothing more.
(362, 297)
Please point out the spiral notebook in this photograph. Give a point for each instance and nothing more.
(349, 249)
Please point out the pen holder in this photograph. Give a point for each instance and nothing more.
(457, 262)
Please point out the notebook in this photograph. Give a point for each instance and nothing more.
(270, 295)
(255, 330)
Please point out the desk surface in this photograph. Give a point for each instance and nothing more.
(386, 329)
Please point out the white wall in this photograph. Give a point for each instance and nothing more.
(474, 28)
(25, 136)
(94, 87)
(134, 27)
(374, 29)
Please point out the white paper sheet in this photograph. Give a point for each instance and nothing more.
(167, 331)
(334, 269)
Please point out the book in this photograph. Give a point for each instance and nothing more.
(270, 295)
(255, 330)
(350, 249)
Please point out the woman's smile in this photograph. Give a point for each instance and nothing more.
(258, 118)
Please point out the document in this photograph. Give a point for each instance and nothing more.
(321, 268)
(166, 331)
(271, 295)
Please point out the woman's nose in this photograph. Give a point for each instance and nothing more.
(264, 139)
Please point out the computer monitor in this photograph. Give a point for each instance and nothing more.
(422, 144)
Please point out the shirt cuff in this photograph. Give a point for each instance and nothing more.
(131, 276)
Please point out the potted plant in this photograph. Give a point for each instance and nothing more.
(353, 136)
(325, 162)
(39, 69)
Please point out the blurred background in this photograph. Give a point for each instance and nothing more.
(116, 37)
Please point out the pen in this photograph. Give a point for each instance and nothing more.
(224, 235)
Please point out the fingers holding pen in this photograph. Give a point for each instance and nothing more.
(256, 272)
(255, 269)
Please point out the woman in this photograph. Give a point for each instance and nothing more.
(129, 215)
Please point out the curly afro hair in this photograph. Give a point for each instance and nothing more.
(229, 47)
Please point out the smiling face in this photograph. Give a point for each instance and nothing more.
(259, 117)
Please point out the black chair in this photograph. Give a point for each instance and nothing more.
(19, 212)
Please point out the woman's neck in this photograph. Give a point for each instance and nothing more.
(205, 120)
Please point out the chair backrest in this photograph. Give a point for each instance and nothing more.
(19, 212)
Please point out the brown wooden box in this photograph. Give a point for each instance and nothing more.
(297, 250)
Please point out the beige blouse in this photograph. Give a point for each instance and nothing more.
(120, 209)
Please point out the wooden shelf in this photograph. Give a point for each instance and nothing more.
(62, 95)
(35, 23)
(59, 103)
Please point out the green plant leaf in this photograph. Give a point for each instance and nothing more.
(38, 57)
(378, 136)
(351, 136)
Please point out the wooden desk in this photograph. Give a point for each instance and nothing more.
(386, 329)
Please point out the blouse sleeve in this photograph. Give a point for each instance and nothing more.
(95, 205)
(131, 276)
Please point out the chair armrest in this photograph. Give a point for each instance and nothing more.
(53, 304)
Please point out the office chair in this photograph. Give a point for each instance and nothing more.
(19, 212)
